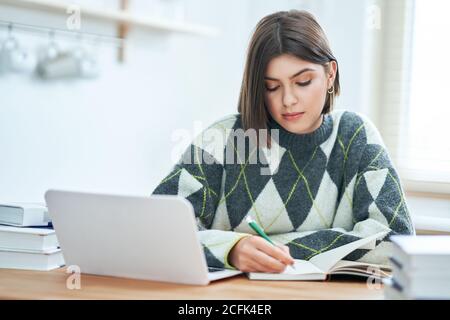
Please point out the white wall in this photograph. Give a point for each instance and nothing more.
(113, 134)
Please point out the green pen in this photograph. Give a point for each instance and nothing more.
(252, 223)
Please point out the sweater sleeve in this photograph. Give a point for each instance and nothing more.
(198, 178)
(376, 204)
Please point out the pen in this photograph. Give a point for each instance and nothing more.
(252, 223)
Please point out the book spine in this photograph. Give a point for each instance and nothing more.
(34, 217)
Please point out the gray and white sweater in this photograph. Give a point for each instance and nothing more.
(313, 192)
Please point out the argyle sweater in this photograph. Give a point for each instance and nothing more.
(312, 192)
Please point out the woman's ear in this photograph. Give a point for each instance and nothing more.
(332, 70)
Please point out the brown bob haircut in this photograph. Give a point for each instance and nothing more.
(291, 32)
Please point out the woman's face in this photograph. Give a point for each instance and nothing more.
(296, 92)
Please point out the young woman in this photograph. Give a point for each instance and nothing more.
(323, 177)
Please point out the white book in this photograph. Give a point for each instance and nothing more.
(23, 214)
(424, 285)
(412, 253)
(436, 271)
(31, 239)
(392, 291)
(329, 262)
(29, 260)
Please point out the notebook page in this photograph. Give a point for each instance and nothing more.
(302, 270)
(325, 261)
(302, 267)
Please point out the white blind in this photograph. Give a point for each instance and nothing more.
(414, 107)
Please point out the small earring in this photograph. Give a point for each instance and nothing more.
(331, 90)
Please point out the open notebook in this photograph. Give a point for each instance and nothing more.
(330, 262)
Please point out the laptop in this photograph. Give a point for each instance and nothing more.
(150, 238)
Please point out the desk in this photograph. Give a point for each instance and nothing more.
(20, 284)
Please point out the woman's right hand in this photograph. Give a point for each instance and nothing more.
(255, 254)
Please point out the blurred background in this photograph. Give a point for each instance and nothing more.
(94, 94)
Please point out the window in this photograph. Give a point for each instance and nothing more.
(425, 152)
(413, 108)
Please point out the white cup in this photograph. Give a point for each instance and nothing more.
(13, 58)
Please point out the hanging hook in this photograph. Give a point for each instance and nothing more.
(10, 29)
(52, 50)
(52, 38)
(51, 35)
(11, 41)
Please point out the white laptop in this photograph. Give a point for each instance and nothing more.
(151, 238)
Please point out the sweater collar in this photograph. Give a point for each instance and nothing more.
(288, 139)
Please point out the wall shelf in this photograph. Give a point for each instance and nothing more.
(119, 16)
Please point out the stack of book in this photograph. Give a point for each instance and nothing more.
(27, 238)
(420, 267)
